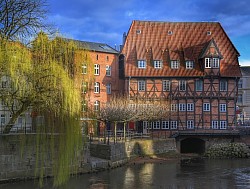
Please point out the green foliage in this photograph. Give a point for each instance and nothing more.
(45, 78)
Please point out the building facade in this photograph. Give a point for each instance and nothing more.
(192, 66)
(243, 103)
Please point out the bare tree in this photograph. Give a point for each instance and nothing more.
(22, 18)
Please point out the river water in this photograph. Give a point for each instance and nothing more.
(174, 174)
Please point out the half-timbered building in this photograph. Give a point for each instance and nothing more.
(193, 66)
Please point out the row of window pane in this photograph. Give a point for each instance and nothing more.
(158, 64)
(212, 62)
(97, 88)
(174, 124)
(190, 107)
(166, 85)
(96, 69)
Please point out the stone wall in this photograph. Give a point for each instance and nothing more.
(119, 151)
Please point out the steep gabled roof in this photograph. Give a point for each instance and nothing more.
(181, 40)
(245, 70)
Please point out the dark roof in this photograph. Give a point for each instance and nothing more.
(177, 39)
(245, 69)
(93, 46)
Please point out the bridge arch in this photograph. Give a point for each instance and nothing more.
(192, 145)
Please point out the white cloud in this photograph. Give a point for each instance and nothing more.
(244, 62)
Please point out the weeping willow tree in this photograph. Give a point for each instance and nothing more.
(45, 78)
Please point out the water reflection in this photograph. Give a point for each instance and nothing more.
(189, 174)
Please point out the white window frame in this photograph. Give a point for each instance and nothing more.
(97, 105)
(97, 87)
(223, 85)
(223, 107)
(208, 62)
(156, 125)
(199, 85)
(190, 107)
(157, 64)
(189, 64)
(182, 107)
(174, 107)
(190, 124)
(141, 85)
(142, 64)
(165, 124)
(174, 124)
(84, 69)
(206, 107)
(223, 124)
(84, 106)
(166, 85)
(108, 88)
(96, 69)
(84, 87)
(174, 64)
(3, 119)
(182, 85)
(108, 70)
(216, 63)
(215, 124)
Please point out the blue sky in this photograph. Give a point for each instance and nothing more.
(106, 20)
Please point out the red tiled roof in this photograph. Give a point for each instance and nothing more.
(148, 39)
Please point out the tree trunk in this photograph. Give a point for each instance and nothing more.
(14, 117)
(115, 132)
(124, 131)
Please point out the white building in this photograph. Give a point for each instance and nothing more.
(243, 102)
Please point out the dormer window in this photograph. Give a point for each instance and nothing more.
(174, 64)
(212, 62)
(207, 63)
(141, 64)
(216, 62)
(157, 64)
(138, 31)
(189, 64)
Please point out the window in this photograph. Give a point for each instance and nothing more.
(84, 106)
(223, 85)
(174, 64)
(190, 124)
(107, 58)
(165, 85)
(216, 62)
(207, 63)
(145, 125)
(206, 107)
(97, 105)
(108, 70)
(170, 32)
(138, 31)
(173, 124)
(240, 98)
(174, 107)
(190, 107)
(209, 32)
(84, 87)
(182, 85)
(165, 124)
(97, 69)
(84, 69)
(240, 84)
(97, 57)
(223, 107)
(189, 64)
(223, 124)
(97, 87)
(182, 107)
(141, 63)
(198, 85)
(141, 85)
(156, 125)
(215, 124)
(157, 64)
(2, 119)
(108, 88)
